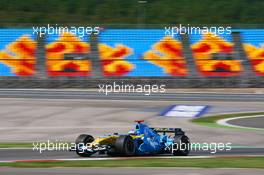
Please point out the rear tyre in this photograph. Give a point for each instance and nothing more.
(124, 146)
(112, 152)
(83, 140)
(181, 146)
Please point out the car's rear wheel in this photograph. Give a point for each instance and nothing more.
(124, 146)
(83, 140)
(181, 146)
(112, 152)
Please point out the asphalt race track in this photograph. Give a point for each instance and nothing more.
(43, 115)
(252, 122)
(168, 96)
(29, 154)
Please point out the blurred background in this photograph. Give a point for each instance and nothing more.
(132, 45)
(128, 12)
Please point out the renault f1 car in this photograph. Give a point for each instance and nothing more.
(143, 140)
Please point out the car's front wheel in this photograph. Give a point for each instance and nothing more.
(81, 142)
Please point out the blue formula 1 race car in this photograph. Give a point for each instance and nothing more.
(143, 140)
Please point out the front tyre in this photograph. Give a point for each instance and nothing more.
(83, 140)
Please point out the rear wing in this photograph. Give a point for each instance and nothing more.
(176, 131)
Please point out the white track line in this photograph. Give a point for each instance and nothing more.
(157, 157)
(224, 122)
(147, 157)
(21, 148)
(6, 161)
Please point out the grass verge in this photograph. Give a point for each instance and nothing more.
(219, 162)
(16, 145)
(210, 121)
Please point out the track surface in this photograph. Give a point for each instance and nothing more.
(28, 154)
(60, 119)
(62, 115)
(62, 94)
(253, 122)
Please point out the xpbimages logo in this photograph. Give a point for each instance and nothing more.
(146, 89)
(80, 31)
(212, 147)
(196, 30)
